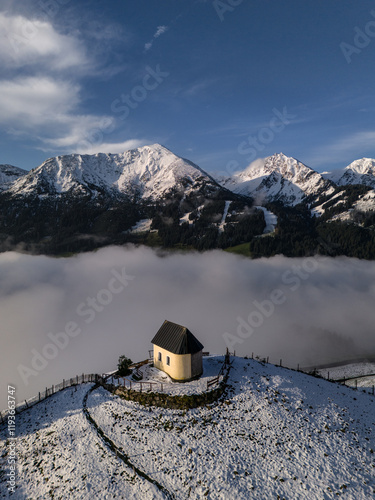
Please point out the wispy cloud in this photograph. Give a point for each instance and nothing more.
(41, 97)
(34, 43)
(115, 147)
(36, 100)
(199, 87)
(45, 108)
(353, 145)
(159, 31)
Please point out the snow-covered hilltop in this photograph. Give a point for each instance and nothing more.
(276, 433)
(8, 174)
(358, 172)
(278, 178)
(149, 171)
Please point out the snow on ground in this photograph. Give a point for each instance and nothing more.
(351, 371)
(364, 382)
(366, 203)
(270, 218)
(278, 433)
(319, 210)
(61, 456)
(211, 368)
(225, 213)
(185, 218)
(348, 371)
(141, 226)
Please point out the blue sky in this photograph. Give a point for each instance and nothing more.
(220, 82)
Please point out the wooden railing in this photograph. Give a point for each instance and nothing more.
(28, 403)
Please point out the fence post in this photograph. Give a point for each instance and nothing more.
(356, 383)
(46, 392)
(141, 386)
(281, 362)
(267, 358)
(53, 389)
(372, 390)
(161, 383)
(26, 404)
(39, 396)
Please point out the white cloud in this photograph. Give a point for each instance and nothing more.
(355, 145)
(29, 42)
(206, 292)
(45, 109)
(40, 98)
(36, 100)
(199, 87)
(159, 31)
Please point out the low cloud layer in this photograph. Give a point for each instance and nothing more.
(62, 317)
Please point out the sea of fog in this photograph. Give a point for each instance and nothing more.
(67, 316)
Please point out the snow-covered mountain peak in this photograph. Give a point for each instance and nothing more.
(363, 166)
(288, 167)
(277, 177)
(149, 170)
(358, 172)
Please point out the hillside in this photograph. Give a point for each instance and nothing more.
(9, 174)
(275, 434)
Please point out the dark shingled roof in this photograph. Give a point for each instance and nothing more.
(176, 339)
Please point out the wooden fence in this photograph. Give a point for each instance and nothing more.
(132, 384)
(213, 381)
(136, 367)
(28, 403)
(216, 380)
(314, 372)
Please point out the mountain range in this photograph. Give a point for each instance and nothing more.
(149, 195)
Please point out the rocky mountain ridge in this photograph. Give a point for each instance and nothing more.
(151, 196)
